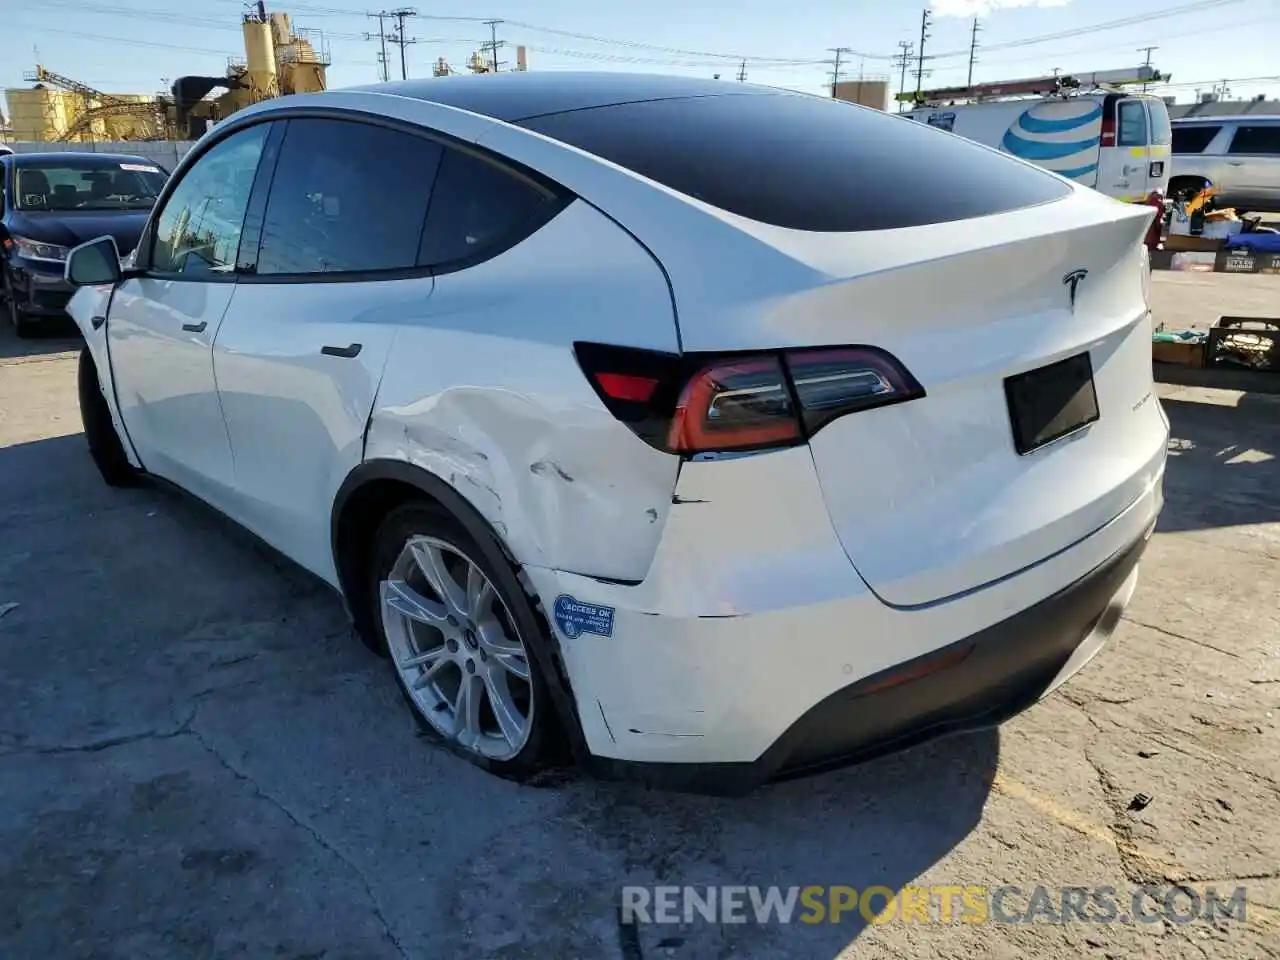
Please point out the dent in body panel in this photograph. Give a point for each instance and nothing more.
(484, 391)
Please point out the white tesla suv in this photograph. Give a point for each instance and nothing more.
(705, 433)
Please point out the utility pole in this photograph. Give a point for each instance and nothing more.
(742, 72)
(493, 41)
(903, 60)
(973, 50)
(1147, 50)
(382, 37)
(400, 40)
(835, 74)
(924, 35)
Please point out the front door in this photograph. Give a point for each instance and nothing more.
(1124, 171)
(162, 325)
(1253, 164)
(300, 354)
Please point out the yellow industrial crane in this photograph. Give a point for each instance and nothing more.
(97, 105)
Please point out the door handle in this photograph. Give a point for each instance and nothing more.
(1235, 163)
(195, 327)
(347, 351)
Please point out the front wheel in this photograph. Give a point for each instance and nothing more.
(104, 443)
(21, 325)
(462, 638)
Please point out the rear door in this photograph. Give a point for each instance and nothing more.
(1124, 170)
(1253, 162)
(300, 355)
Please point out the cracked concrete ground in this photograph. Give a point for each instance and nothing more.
(198, 760)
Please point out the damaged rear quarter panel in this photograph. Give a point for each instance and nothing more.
(484, 391)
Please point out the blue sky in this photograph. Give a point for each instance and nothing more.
(134, 45)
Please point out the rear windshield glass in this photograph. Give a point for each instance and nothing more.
(86, 183)
(805, 162)
(1193, 138)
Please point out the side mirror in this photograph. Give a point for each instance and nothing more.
(94, 263)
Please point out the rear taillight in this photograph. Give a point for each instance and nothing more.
(1109, 125)
(719, 403)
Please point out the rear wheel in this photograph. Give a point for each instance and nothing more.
(461, 635)
(99, 430)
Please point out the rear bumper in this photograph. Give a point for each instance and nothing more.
(979, 681)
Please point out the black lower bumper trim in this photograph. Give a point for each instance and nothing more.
(978, 682)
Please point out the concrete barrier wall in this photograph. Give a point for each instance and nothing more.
(167, 153)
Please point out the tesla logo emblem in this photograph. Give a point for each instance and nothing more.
(1072, 280)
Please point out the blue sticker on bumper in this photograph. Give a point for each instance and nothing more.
(574, 618)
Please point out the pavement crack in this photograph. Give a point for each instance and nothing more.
(1181, 636)
(311, 831)
(97, 746)
(1133, 864)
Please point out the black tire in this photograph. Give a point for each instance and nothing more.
(544, 747)
(21, 325)
(104, 443)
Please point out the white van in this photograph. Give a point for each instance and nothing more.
(1117, 143)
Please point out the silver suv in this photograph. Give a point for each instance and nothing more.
(1238, 155)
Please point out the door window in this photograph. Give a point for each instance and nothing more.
(1133, 124)
(347, 197)
(198, 232)
(477, 209)
(1256, 140)
(1161, 129)
(1193, 138)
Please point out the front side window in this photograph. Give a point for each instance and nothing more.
(347, 197)
(1161, 128)
(86, 183)
(476, 207)
(1133, 124)
(1262, 139)
(198, 232)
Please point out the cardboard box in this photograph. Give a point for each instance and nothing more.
(1200, 244)
(1183, 354)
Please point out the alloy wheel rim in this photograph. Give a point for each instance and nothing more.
(456, 648)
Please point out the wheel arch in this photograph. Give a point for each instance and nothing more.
(375, 488)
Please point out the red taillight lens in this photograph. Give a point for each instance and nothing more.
(710, 403)
(734, 405)
(622, 386)
(1109, 126)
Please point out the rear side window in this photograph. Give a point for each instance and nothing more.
(1256, 140)
(477, 208)
(1161, 129)
(1193, 138)
(346, 197)
(1133, 124)
(805, 162)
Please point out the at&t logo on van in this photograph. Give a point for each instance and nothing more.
(1060, 135)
